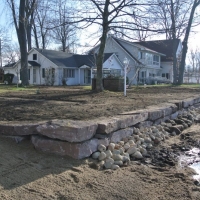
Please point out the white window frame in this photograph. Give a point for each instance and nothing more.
(68, 73)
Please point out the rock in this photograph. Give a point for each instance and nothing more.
(175, 129)
(118, 135)
(108, 163)
(125, 159)
(68, 130)
(95, 155)
(116, 151)
(154, 114)
(63, 148)
(19, 128)
(147, 140)
(111, 146)
(131, 142)
(102, 156)
(114, 167)
(131, 150)
(137, 155)
(121, 151)
(117, 157)
(126, 146)
(108, 153)
(187, 102)
(101, 148)
(118, 162)
(121, 143)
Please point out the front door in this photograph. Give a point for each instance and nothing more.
(34, 75)
(87, 76)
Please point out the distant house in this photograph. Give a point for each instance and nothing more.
(147, 58)
(49, 67)
(191, 77)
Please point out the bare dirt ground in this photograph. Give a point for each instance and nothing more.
(29, 174)
(46, 103)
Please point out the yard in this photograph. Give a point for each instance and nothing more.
(80, 103)
(29, 174)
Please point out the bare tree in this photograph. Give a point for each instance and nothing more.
(41, 23)
(196, 3)
(175, 17)
(66, 33)
(111, 15)
(21, 30)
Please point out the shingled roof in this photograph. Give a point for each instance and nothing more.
(162, 46)
(64, 59)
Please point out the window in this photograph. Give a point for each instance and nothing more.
(43, 72)
(155, 60)
(166, 75)
(149, 59)
(68, 73)
(29, 74)
(140, 55)
(34, 56)
(115, 72)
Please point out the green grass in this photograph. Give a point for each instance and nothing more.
(14, 88)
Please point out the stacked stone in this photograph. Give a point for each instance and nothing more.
(141, 140)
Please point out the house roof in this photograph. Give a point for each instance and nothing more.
(9, 65)
(34, 64)
(162, 46)
(64, 59)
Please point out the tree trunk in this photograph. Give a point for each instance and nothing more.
(100, 55)
(173, 27)
(29, 36)
(23, 44)
(185, 41)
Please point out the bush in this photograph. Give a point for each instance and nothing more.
(8, 78)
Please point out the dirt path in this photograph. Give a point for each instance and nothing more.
(28, 174)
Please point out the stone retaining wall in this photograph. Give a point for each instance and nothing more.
(79, 139)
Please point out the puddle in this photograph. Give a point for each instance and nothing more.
(191, 159)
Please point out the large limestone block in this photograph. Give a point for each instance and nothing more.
(118, 135)
(63, 148)
(68, 130)
(188, 102)
(124, 120)
(144, 124)
(178, 103)
(18, 128)
(155, 114)
(196, 100)
(131, 118)
(108, 125)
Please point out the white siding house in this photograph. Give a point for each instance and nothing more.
(48, 67)
(147, 58)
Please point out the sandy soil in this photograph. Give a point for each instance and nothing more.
(46, 103)
(28, 174)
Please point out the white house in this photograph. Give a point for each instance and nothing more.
(53, 67)
(147, 58)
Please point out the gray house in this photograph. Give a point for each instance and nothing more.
(147, 59)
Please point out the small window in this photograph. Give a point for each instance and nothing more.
(140, 55)
(29, 74)
(34, 56)
(68, 73)
(43, 72)
(156, 60)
